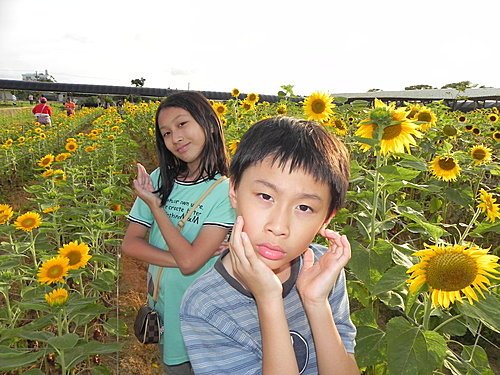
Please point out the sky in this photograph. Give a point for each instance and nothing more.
(343, 46)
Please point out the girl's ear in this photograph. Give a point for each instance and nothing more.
(232, 194)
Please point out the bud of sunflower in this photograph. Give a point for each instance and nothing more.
(450, 130)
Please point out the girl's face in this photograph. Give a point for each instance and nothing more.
(182, 135)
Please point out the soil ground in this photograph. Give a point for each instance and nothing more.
(135, 358)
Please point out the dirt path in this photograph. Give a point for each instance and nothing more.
(135, 358)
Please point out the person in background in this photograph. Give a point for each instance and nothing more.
(192, 157)
(14, 100)
(70, 107)
(42, 111)
(274, 303)
(30, 98)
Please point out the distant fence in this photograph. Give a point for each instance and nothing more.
(465, 101)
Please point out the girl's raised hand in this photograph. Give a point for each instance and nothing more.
(317, 279)
(144, 187)
(252, 272)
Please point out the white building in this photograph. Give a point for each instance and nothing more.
(44, 77)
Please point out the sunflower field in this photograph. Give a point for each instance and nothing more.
(421, 215)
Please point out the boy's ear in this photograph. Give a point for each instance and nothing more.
(328, 219)
(232, 194)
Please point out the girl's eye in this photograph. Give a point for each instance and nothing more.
(182, 124)
(304, 208)
(166, 134)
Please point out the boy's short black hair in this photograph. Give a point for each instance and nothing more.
(305, 144)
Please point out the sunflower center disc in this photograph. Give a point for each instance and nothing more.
(318, 106)
(447, 164)
(479, 155)
(391, 132)
(424, 116)
(55, 271)
(451, 271)
(74, 257)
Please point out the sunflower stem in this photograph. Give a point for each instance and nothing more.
(7, 303)
(469, 226)
(375, 200)
(427, 311)
(32, 248)
(447, 321)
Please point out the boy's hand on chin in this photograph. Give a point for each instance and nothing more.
(317, 279)
(252, 272)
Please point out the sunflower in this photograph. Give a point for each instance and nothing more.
(53, 270)
(235, 92)
(247, 106)
(476, 131)
(48, 173)
(480, 154)
(496, 136)
(28, 221)
(233, 146)
(43, 136)
(488, 206)
(462, 118)
(71, 146)
(62, 156)
(450, 130)
(445, 168)
(57, 297)
(252, 98)
(59, 175)
(8, 143)
(111, 137)
(493, 117)
(452, 272)
(46, 161)
(77, 254)
(220, 109)
(21, 139)
(89, 149)
(318, 106)
(68, 140)
(51, 209)
(281, 109)
(116, 207)
(413, 109)
(427, 118)
(469, 127)
(395, 137)
(5, 213)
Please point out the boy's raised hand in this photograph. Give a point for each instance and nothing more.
(316, 280)
(252, 272)
(144, 187)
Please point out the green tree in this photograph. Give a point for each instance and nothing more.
(460, 86)
(138, 82)
(419, 87)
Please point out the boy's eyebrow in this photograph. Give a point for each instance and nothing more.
(302, 196)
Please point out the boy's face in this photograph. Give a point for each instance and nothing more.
(282, 211)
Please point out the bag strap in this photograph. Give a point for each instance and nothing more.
(182, 222)
(180, 226)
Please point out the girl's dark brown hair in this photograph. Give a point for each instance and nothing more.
(214, 157)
